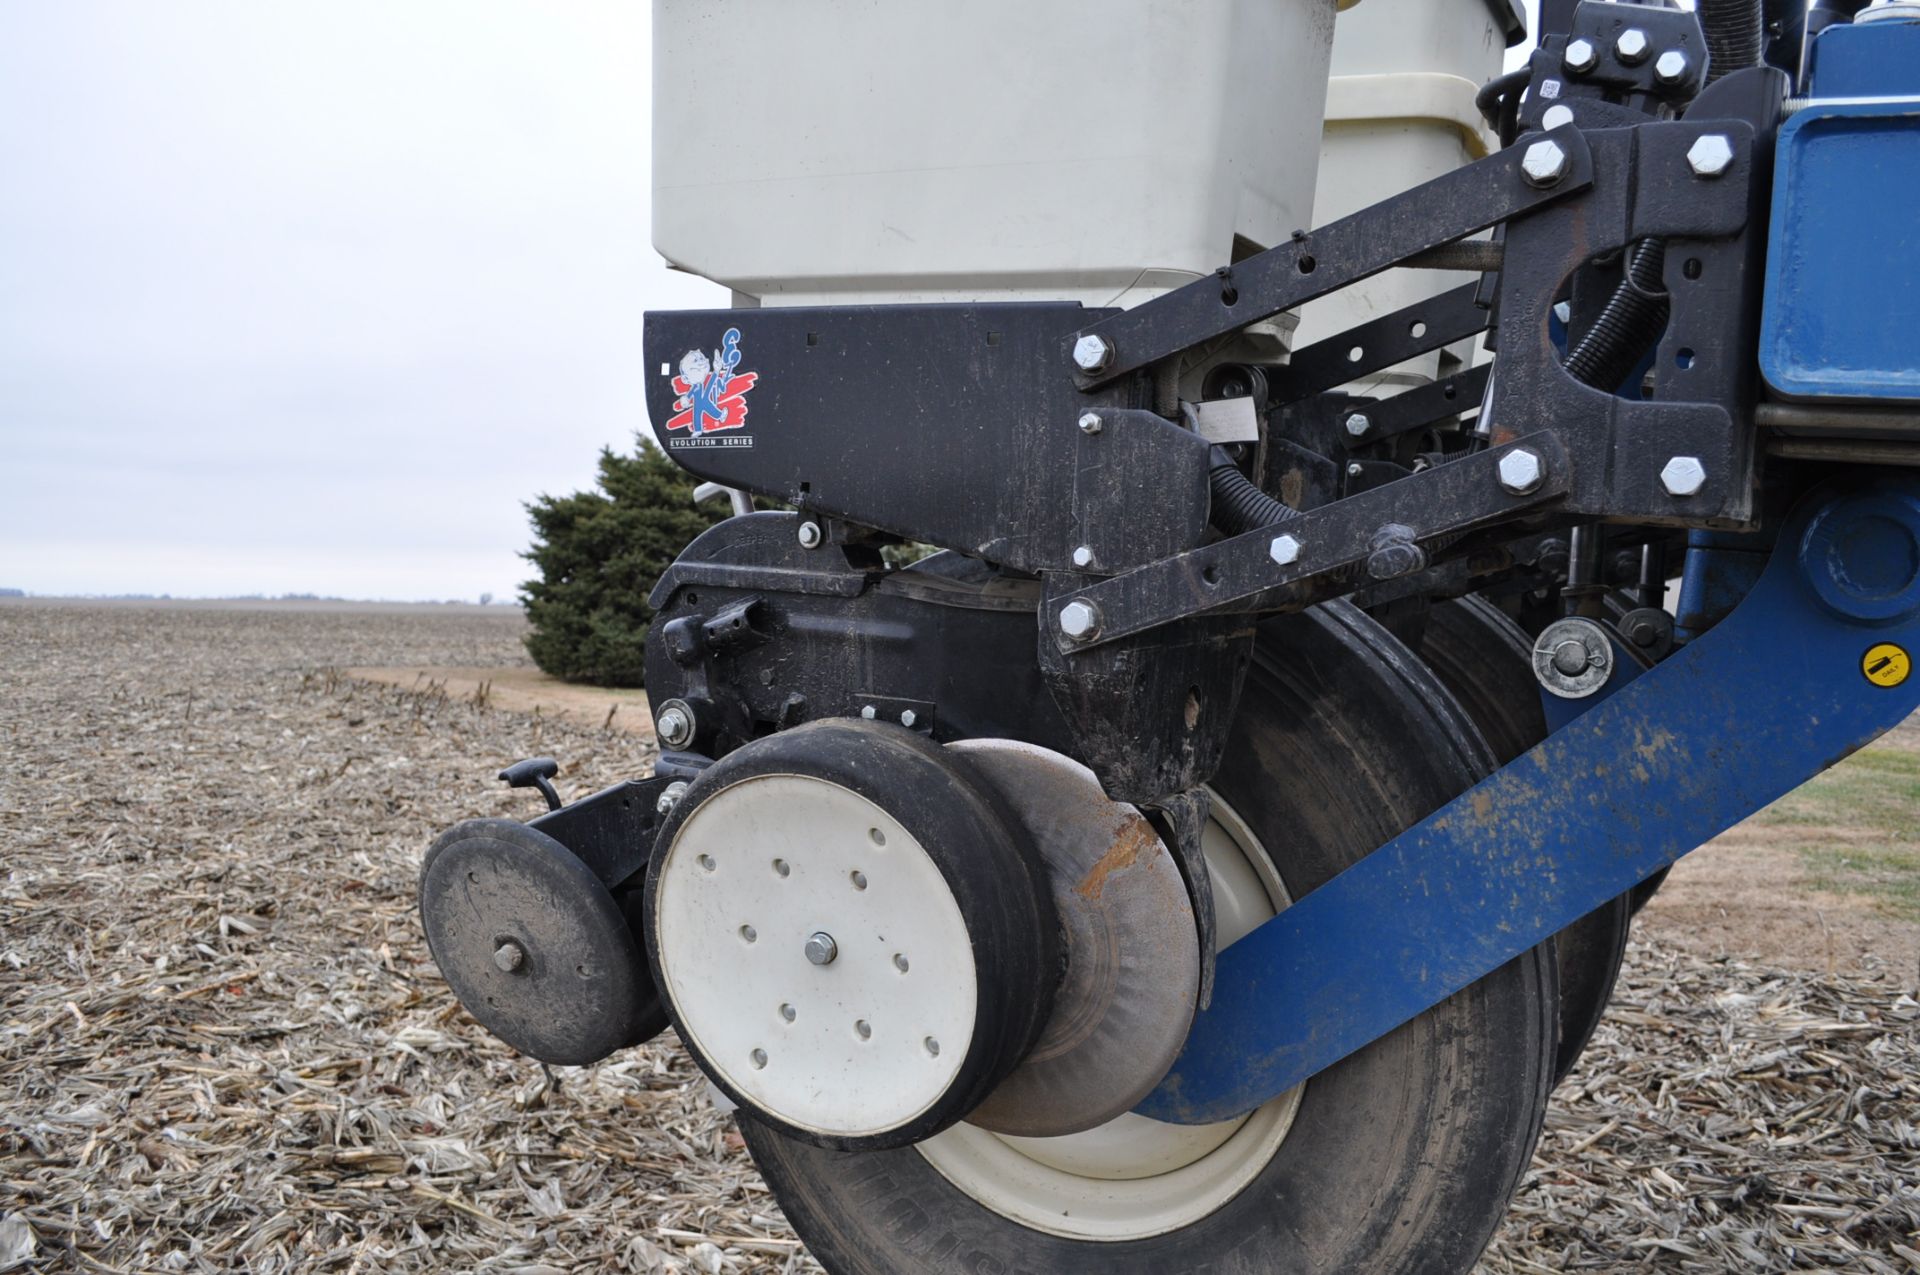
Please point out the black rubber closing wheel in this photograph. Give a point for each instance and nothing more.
(533, 945)
(1400, 1158)
(854, 938)
(1486, 660)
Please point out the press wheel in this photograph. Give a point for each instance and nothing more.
(1398, 1159)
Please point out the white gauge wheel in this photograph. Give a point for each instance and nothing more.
(818, 959)
(1132, 1177)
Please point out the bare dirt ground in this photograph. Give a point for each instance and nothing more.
(223, 1045)
(522, 690)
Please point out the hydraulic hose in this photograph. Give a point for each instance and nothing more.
(1633, 318)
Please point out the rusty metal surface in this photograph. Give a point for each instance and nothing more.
(1132, 981)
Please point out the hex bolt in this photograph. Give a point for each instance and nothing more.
(1090, 423)
(675, 724)
(1670, 67)
(1356, 469)
(1091, 353)
(1544, 164)
(1643, 633)
(1358, 424)
(821, 949)
(1079, 620)
(670, 797)
(1631, 46)
(509, 956)
(1711, 155)
(1684, 476)
(908, 717)
(1285, 551)
(1559, 115)
(1083, 556)
(868, 712)
(809, 535)
(1581, 56)
(1521, 472)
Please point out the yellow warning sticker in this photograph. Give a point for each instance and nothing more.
(1887, 665)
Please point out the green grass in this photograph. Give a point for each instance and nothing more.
(1863, 823)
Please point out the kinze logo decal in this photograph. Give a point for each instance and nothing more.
(712, 396)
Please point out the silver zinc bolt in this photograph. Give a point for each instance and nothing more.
(1670, 67)
(1358, 424)
(1631, 46)
(908, 717)
(1581, 56)
(1090, 422)
(1710, 155)
(1079, 620)
(868, 712)
(1559, 115)
(1285, 551)
(1083, 556)
(1684, 476)
(1356, 469)
(1521, 472)
(509, 956)
(809, 535)
(670, 797)
(1091, 353)
(674, 726)
(1544, 164)
(821, 949)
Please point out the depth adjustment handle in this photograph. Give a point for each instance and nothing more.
(535, 772)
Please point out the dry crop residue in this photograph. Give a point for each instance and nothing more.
(223, 1046)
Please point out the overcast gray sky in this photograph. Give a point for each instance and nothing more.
(304, 297)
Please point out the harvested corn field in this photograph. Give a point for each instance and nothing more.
(223, 1045)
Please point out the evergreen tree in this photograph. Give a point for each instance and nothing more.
(599, 554)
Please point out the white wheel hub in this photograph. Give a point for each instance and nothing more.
(1132, 1177)
(816, 955)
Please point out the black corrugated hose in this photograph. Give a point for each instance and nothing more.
(1735, 31)
(1239, 505)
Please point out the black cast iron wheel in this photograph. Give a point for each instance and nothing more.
(1400, 1158)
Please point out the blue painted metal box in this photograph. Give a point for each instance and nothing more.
(1842, 313)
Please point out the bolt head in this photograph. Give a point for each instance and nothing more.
(1090, 422)
(1581, 56)
(1558, 115)
(1521, 472)
(1079, 620)
(1631, 46)
(1684, 476)
(1285, 550)
(1544, 164)
(1670, 67)
(821, 949)
(1710, 155)
(908, 717)
(1083, 556)
(809, 535)
(670, 797)
(509, 957)
(674, 727)
(868, 712)
(1091, 353)
(1358, 424)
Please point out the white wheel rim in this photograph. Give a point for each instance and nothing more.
(854, 1047)
(1133, 1178)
